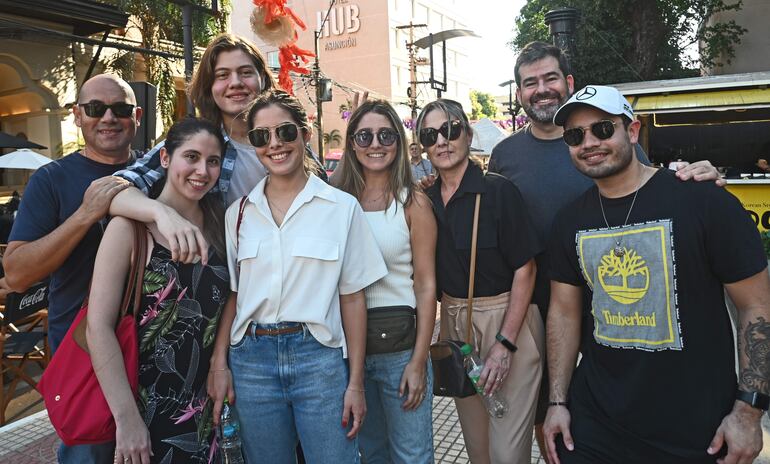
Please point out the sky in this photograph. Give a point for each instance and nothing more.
(493, 20)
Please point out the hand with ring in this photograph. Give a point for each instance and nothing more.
(496, 366)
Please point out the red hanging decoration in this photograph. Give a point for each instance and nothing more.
(275, 23)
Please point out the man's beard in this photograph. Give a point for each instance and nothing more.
(544, 114)
(624, 156)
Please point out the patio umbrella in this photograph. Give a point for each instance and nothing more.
(9, 141)
(23, 159)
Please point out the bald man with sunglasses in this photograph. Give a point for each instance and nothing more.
(58, 227)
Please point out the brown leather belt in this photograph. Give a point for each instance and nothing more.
(282, 331)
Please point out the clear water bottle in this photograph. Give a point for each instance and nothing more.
(229, 436)
(496, 405)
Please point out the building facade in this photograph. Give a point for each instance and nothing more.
(752, 54)
(42, 62)
(363, 46)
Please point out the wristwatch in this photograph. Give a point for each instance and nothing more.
(505, 342)
(754, 399)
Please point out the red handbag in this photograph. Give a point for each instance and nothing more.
(72, 394)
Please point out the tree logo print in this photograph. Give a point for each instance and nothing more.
(625, 278)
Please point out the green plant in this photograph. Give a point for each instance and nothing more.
(158, 24)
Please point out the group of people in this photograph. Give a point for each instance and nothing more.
(262, 279)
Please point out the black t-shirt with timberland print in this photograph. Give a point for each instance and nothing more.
(658, 365)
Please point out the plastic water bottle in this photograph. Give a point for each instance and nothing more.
(496, 405)
(229, 436)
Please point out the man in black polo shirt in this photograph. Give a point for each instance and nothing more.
(638, 265)
(508, 330)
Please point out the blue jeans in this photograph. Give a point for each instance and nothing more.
(390, 434)
(289, 388)
(103, 453)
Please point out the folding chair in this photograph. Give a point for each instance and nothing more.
(23, 331)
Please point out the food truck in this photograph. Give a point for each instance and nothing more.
(724, 119)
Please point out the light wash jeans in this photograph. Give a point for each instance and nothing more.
(288, 388)
(103, 453)
(390, 434)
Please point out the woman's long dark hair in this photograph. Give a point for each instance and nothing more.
(211, 203)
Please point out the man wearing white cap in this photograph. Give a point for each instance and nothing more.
(638, 264)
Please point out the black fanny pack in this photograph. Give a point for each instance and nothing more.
(390, 329)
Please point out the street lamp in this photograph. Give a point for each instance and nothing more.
(440, 37)
(187, 11)
(323, 86)
(510, 101)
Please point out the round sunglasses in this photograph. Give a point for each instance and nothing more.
(286, 132)
(602, 130)
(451, 130)
(96, 109)
(365, 137)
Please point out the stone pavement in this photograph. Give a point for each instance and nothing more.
(32, 440)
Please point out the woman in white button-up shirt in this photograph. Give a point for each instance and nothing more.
(300, 254)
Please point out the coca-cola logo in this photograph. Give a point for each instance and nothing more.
(32, 298)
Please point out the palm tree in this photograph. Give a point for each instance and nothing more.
(333, 138)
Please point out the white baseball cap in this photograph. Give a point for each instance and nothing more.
(607, 99)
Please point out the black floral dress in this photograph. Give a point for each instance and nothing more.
(181, 306)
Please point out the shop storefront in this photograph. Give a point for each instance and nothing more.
(724, 119)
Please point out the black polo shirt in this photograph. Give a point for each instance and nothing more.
(506, 238)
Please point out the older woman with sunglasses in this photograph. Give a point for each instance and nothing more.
(376, 170)
(507, 330)
(300, 254)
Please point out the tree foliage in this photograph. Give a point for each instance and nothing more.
(633, 40)
(482, 105)
(159, 24)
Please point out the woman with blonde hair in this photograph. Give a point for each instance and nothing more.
(398, 381)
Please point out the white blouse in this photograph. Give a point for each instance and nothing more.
(297, 271)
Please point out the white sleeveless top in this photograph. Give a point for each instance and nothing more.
(392, 235)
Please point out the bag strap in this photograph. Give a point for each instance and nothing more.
(133, 291)
(241, 208)
(472, 275)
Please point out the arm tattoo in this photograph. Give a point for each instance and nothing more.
(756, 347)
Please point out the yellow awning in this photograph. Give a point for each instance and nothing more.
(701, 101)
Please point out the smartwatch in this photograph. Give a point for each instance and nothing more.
(505, 342)
(754, 399)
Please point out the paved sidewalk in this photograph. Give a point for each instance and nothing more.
(32, 440)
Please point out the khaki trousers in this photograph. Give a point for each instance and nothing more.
(507, 440)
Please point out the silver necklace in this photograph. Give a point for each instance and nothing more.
(618, 250)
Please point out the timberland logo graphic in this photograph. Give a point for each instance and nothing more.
(634, 294)
(626, 279)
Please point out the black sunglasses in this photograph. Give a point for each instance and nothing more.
(386, 137)
(96, 109)
(286, 132)
(451, 130)
(602, 130)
